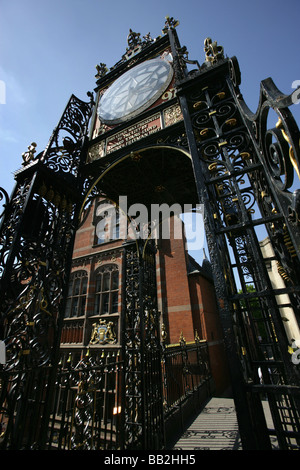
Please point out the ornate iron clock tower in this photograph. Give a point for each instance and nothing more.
(158, 132)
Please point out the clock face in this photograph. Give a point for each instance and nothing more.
(135, 91)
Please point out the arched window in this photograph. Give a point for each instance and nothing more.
(106, 290)
(77, 293)
(107, 223)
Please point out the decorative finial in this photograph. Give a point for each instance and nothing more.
(169, 24)
(133, 39)
(147, 38)
(29, 155)
(163, 333)
(101, 70)
(213, 52)
(181, 338)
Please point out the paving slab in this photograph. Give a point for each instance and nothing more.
(215, 428)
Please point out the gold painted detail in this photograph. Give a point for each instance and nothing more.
(133, 39)
(96, 151)
(182, 340)
(126, 137)
(101, 70)
(103, 333)
(172, 115)
(134, 133)
(213, 52)
(135, 156)
(293, 160)
(170, 23)
(282, 272)
(25, 352)
(169, 94)
(231, 122)
(204, 131)
(288, 243)
(245, 155)
(59, 200)
(200, 105)
(163, 333)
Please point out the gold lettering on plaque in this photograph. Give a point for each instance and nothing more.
(133, 133)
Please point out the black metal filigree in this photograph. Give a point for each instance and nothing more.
(143, 412)
(63, 153)
(244, 172)
(36, 242)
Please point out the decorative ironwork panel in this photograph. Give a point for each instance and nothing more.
(242, 177)
(32, 289)
(186, 369)
(87, 404)
(244, 172)
(63, 153)
(36, 243)
(143, 409)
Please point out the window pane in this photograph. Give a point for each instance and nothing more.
(70, 290)
(106, 278)
(106, 291)
(101, 238)
(97, 305)
(84, 285)
(114, 302)
(74, 307)
(98, 283)
(68, 307)
(115, 280)
(76, 286)
(105, 306)
(77, 291)
(82, 305)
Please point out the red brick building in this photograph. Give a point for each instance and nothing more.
(185, 291)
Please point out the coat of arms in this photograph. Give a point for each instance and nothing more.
(103, 333)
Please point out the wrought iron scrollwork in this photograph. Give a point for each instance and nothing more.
(278, 152)
(31, 299)
(4, 199)
(36, 242)
(141, 350)
(86, 412)
(243, 172)
(63, 152)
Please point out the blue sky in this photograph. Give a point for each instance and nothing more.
(48, 50)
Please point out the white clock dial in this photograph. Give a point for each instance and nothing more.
(135, 91)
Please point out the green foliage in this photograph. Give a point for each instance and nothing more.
(252, 308)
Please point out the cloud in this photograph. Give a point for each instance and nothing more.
(14, 92)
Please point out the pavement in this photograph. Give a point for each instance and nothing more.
(215, 428)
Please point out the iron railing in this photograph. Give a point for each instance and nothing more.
(86, 404)
(86, 411)
(185, 369)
